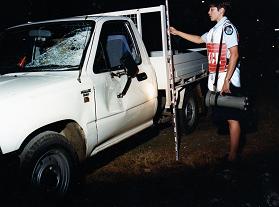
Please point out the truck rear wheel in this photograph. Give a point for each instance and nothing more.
(188, 115)
(47, 165)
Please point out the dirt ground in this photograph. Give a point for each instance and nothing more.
(143, 171)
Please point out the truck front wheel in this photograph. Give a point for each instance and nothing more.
(47, 164)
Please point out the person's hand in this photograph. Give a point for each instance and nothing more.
(173, 31)
(226, 87)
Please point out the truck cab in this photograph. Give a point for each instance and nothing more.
(69, 89)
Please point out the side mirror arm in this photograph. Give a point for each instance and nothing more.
(125, 89)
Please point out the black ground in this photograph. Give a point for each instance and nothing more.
(143, 171)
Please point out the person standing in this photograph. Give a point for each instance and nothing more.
(229, 73)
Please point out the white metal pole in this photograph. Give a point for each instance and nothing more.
(139, 23)
(172, 81)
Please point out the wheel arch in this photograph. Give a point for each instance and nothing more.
(194, 89)
(72, 132)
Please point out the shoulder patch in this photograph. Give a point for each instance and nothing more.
(228, 30)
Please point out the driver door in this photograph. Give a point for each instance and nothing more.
(117, 115)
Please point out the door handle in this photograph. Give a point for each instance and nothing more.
(117, 74)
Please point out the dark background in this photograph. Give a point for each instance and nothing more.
(255, 20)
(244, 12)
(175, 185)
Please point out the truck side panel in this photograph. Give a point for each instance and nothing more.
(190, 64)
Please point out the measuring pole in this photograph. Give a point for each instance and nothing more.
(172, 82)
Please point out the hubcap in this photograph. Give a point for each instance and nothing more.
(52, 172)
(189, 112)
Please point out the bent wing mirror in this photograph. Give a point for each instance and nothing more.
(129, 63)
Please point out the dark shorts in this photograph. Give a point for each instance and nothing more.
(221, 114)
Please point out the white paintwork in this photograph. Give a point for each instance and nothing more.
(30, 101)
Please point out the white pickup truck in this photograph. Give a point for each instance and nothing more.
(72, 87)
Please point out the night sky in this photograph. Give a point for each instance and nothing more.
(255, 20)
(244, 11)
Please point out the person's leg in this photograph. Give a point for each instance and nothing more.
(235, 131)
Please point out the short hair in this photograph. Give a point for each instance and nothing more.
(226, 4)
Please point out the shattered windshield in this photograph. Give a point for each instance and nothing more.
(44, 47)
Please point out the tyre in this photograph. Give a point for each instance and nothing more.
(47, 165)
(188, 115)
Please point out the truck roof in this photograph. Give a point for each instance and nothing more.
(76, 18)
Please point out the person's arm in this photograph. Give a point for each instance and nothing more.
(192, 38)
(230, 69)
